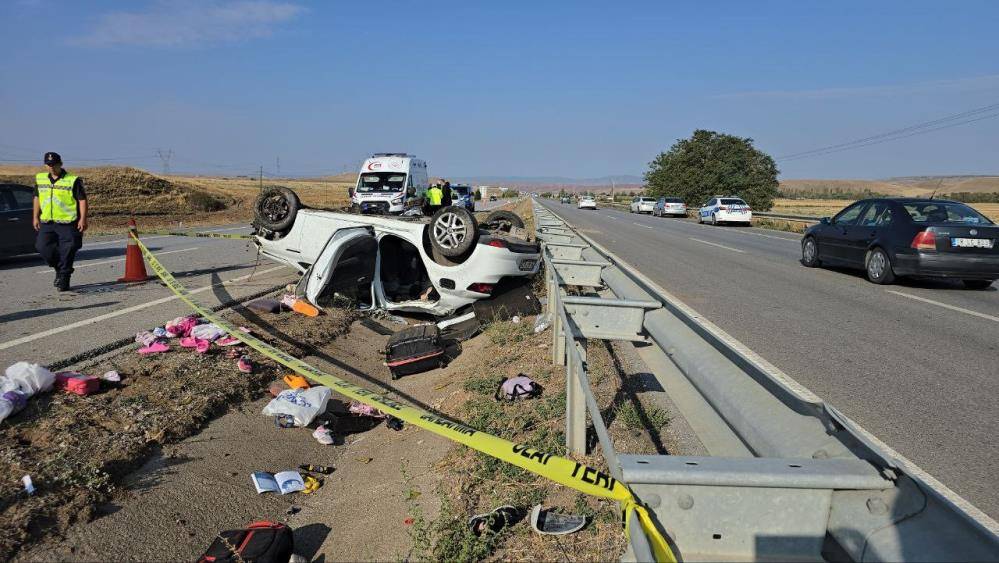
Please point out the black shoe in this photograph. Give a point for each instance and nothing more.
(63, 284)
(55, 282)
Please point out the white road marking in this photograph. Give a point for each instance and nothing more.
(718, 245)
(641, 225)
(88, 264)
(946, 306)
(120, 241)
(120, 312)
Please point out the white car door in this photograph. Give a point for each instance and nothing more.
(346, 265)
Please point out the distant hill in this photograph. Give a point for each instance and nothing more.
(899, 186)
(547, 181)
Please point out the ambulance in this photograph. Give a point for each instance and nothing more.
(389, 183)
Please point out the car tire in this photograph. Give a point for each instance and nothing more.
(977, 284)
(878, 266)
(503, 221)
(810, 253)
(453, 231)
(275, 208)
(714, 219)
(700, 218)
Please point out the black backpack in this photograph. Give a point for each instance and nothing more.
(260, 542)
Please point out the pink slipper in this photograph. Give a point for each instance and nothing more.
(154, 348)
(227, 341)
(235, 352)
(202, 346)
(246, 330)
(189, 342)
(245, 365)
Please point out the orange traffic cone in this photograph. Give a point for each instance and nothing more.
(135, 266)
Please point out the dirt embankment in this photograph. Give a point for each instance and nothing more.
(77, 449)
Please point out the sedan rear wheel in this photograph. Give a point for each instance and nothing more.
(879, 268)
(810, 253)
(714, 219)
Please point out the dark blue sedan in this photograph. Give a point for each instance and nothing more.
(17, 236)
(894, 237)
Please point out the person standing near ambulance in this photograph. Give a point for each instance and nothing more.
(60, 217)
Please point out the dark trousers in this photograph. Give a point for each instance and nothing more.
(58, 243)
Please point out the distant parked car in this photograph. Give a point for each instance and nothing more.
(461, 195)
(587, 202)
(894, 237)
(493, 198)
(17, 235)
(642, 204)
(565, 199)
(720, 210)
(672, 206)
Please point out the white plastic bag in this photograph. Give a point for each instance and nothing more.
(302, 404)
(30, 378)
(209, 332)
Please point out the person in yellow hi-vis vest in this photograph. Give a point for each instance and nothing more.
(60, 217)
(435, 195)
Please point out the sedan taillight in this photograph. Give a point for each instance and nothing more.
(722, 208)
(486, 288)
(925, 240)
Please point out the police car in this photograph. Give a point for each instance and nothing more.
(721, 209)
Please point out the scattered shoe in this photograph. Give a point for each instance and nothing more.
(227, 341)
(550, 523)
(154, 348)
(236, 352)
(145, 337)
(245, 365)
(323, 436)
(202, 346)
(494, 521)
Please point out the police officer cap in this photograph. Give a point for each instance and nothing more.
(53, 158)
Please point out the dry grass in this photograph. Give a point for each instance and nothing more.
(829, 207)
(912, 186)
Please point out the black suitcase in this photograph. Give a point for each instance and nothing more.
(260, 542)
(413, 350)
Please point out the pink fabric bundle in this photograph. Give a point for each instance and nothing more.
(75, 382)
(181, 326)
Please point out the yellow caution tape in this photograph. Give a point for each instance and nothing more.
(559, 469)
(199, 234)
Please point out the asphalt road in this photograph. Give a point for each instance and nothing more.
(40, 325)
(915, 363)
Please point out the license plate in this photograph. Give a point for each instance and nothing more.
(971, 242)
(527, 265)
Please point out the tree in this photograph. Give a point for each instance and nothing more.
(709, 164)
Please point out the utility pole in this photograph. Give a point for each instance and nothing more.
(165, 156)
(261, 176)
(277, 165)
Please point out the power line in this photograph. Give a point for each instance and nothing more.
(165, 157)
(954, 120)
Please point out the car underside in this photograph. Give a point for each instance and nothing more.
(433, 265)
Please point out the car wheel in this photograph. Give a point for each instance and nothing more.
(977, 284)
(714, 219)
(453, 231)
(700, 219)
(810, 253)
(879, 268)
(275, 208)
(503, 221)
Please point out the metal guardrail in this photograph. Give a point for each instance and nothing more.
(799, 218)
(788, 476)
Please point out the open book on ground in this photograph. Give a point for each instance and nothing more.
(284, 482)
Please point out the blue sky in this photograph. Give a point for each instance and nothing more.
(578, 89)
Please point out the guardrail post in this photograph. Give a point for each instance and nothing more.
(575, 400)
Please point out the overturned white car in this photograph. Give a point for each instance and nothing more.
(397, 263)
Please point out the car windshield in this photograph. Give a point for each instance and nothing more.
(672, 200)
(732, 202)
(945, 213)
(459, 190)
(384, 182)
(648, 200)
